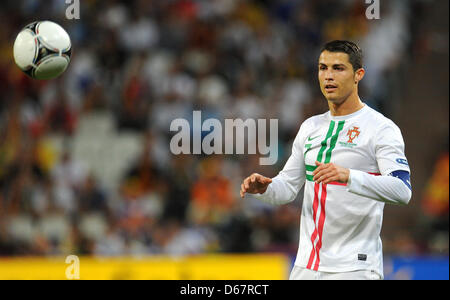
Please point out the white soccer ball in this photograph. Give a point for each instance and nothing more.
(42, 50)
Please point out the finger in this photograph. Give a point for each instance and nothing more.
(319, 173)
(253, 178)
(258, 178)
(242, 191)
(320, 168)
(318, 163)
(246, 181)
(268, 180)
(317, 170)
(329, 177)
(328, 180)
(321, 178)
(261, 179)
(324, 174)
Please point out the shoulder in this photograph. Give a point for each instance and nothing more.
(384, 130)
(307, 126)
(315, 120)
(380, 121)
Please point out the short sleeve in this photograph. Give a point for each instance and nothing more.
(390, 150)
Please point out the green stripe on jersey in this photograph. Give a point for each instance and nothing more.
(333, 141)
(309, 169)
(324, 142)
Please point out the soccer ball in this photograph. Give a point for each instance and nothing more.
(42, 50)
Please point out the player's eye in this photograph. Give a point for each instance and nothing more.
(322, 67)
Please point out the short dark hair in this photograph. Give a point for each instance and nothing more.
(353, 51)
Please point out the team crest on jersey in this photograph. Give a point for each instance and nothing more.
(352, 134)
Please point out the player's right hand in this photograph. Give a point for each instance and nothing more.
(254, 184)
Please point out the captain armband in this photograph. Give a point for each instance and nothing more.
(403, 176)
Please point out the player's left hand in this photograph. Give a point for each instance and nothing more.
(330, 172)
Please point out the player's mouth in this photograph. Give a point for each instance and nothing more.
(330, 87)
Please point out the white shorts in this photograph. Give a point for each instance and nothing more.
(299, 273)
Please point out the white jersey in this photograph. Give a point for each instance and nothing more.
(339, 229)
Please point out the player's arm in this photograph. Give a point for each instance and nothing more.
(284, 187)
(395, 181)
(394, 184)
(394, 188)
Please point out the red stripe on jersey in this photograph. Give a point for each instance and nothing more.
(318, 231)
(337, 183)
(323, 198)
(314, 234)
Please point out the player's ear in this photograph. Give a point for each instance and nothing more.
(359, 75)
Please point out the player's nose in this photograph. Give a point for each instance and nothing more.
(329, 76)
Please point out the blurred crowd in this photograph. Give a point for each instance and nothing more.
(143, 64)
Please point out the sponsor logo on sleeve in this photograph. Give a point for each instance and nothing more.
(402, 161)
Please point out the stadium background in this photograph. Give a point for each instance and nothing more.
(85, 166)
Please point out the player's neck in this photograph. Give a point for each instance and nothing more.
(348, 106)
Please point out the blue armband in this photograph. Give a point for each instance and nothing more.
(403, 176)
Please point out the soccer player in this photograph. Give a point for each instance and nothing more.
(351, 161)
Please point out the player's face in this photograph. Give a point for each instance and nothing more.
(336, 76)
